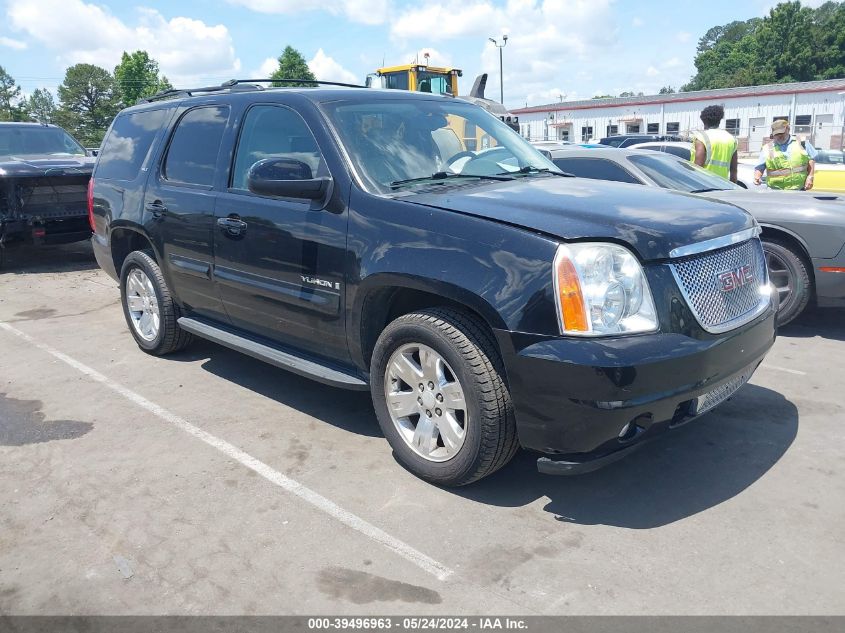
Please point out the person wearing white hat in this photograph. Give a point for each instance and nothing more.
(787, 163)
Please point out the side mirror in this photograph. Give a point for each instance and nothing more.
(286, 178)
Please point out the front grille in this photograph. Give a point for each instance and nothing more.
(703, 279)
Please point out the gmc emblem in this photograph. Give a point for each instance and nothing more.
(733, 279)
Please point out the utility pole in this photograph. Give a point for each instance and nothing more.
(501, 75)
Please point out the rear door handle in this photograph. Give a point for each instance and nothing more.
(232, 225)
(157, 208)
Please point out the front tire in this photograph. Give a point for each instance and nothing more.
(789, 273)
(439, 393)
(149, 309)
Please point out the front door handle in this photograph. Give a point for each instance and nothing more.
(157, 208)
(232, 225)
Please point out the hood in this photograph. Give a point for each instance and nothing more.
(650, 221)
(816, 218)
(49, 165)
(760, 201)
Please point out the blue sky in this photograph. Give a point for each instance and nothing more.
(575, 48)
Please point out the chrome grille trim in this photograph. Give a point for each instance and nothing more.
(716, 242)
(717, 311)
(717, 396)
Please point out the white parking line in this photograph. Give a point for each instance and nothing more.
(292, 486)
(785, 369)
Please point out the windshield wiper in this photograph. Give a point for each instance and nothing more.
(530, 169)
(706, 189)
(444, 175)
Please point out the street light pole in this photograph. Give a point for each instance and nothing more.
(501, 75)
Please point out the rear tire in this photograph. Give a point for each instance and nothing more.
(149, 309)
(789, 273)
(447, 439)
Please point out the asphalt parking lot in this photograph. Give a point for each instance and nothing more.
(210, 483)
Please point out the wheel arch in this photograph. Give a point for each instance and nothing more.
(125, 239)
(790, 237)
(387, 297)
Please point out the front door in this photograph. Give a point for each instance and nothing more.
(757, 130)
(279, 262)
(180, 203)
(823, 131)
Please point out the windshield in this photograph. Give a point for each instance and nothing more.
(432, 143)
(437, 83)
(670, 172)
(34, 140)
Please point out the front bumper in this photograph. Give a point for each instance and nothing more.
(60, 231)
(574, 397)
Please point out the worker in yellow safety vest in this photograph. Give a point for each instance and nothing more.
(712, 148)
(787, 163)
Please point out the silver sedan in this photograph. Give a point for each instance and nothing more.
(803, 231)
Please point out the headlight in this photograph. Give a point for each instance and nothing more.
(600, 289)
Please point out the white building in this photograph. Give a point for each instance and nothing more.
(815, 109)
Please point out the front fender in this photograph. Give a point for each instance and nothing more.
(501, 272)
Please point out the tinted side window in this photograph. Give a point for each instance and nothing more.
(680, 152)
(128, 144)
(595, 168)
(275, 132)
(192, 155)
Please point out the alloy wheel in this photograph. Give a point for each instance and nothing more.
(426, 402)
(142, 305)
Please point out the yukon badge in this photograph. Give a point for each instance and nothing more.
(320, 282)
(732, 279)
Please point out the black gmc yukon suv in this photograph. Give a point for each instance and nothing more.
(485, 298)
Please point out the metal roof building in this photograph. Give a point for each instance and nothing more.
(815, 109)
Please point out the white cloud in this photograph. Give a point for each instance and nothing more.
(546, 39)
(362, 11)
(651, 71)
(327, 69)
(637, 22)
(683, 36)
(453, 19)
(187, 50)
(10, 43)
(267, 68)
(673, 62)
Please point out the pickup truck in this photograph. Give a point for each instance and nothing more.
(486, 299)
(44, 176)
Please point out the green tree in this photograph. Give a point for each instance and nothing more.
(136, 77)
(792, 43)
(292, 65)
(666, 90)
(87, 102)
(41, 106)
(603, 97)
(10, 93)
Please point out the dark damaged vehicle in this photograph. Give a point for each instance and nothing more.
(44, 176)
(486, 299)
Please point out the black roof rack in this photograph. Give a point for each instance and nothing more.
(234, 85)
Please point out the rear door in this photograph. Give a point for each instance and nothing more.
(179, 201)
(279, 262)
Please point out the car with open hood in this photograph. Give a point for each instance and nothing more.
(44, 174)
